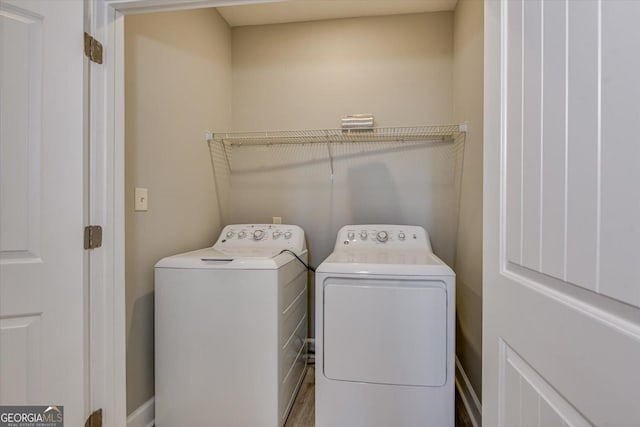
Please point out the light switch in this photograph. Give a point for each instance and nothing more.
(142, 199)
(277, 220)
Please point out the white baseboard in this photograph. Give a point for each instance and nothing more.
(144, 416)
(469, 397)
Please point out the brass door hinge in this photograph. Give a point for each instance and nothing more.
(95, 419)
(92, 48)
(92, 236)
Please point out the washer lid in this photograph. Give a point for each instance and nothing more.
(379, 261)
(267, 258)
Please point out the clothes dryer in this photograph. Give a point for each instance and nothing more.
(385, 331)
(231, 329)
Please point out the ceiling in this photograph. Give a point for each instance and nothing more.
(314, 10)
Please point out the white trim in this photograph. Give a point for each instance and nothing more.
(144, 416)
(108, 334)
(468, 395)
(493, 240)
(131, 7)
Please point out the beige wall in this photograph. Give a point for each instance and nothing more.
(306, 76)
(468, 101)
(178, 84)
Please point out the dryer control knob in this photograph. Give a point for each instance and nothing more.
(276, 234)
(288, 234)
(363, 235)
(401, 236)
(258, 235)
(230, 234)
(241, 235)
(351, 235)
(382, 236)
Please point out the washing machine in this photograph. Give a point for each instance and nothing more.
(385, 331)
(231, 329)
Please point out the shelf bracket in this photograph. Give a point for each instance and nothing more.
(210, 138)
(330, 155)
(226, 155)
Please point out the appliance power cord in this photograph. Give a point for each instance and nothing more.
(307, 266)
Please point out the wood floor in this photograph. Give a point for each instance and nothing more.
(303, 413)
(304, 410)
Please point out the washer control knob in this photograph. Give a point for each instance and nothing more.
(258, 235)
(287, 234)
(351, 235)
(363, 235)
(401, 236)
(241, 235)
(276, 234)
(382, 236)
(230, 234)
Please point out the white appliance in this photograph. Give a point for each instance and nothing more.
(231, 329)
(385, 331)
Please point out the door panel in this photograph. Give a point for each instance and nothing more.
(578, 346)
(552, 236)
(41, 205)
(574, 204)
(562, 205)
(582, 143)
(528, 400)
(531, 141)
(619, 268)
(21, 51)
(514, 133)
(21, 356)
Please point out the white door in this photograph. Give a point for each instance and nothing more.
(562, 214)
(41, 205)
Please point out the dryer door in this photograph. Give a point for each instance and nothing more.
(385, 331)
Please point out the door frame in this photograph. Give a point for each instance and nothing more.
(492, 160)
(107, 316)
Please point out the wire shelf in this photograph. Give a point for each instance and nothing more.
(447, 137)
(443, 133)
